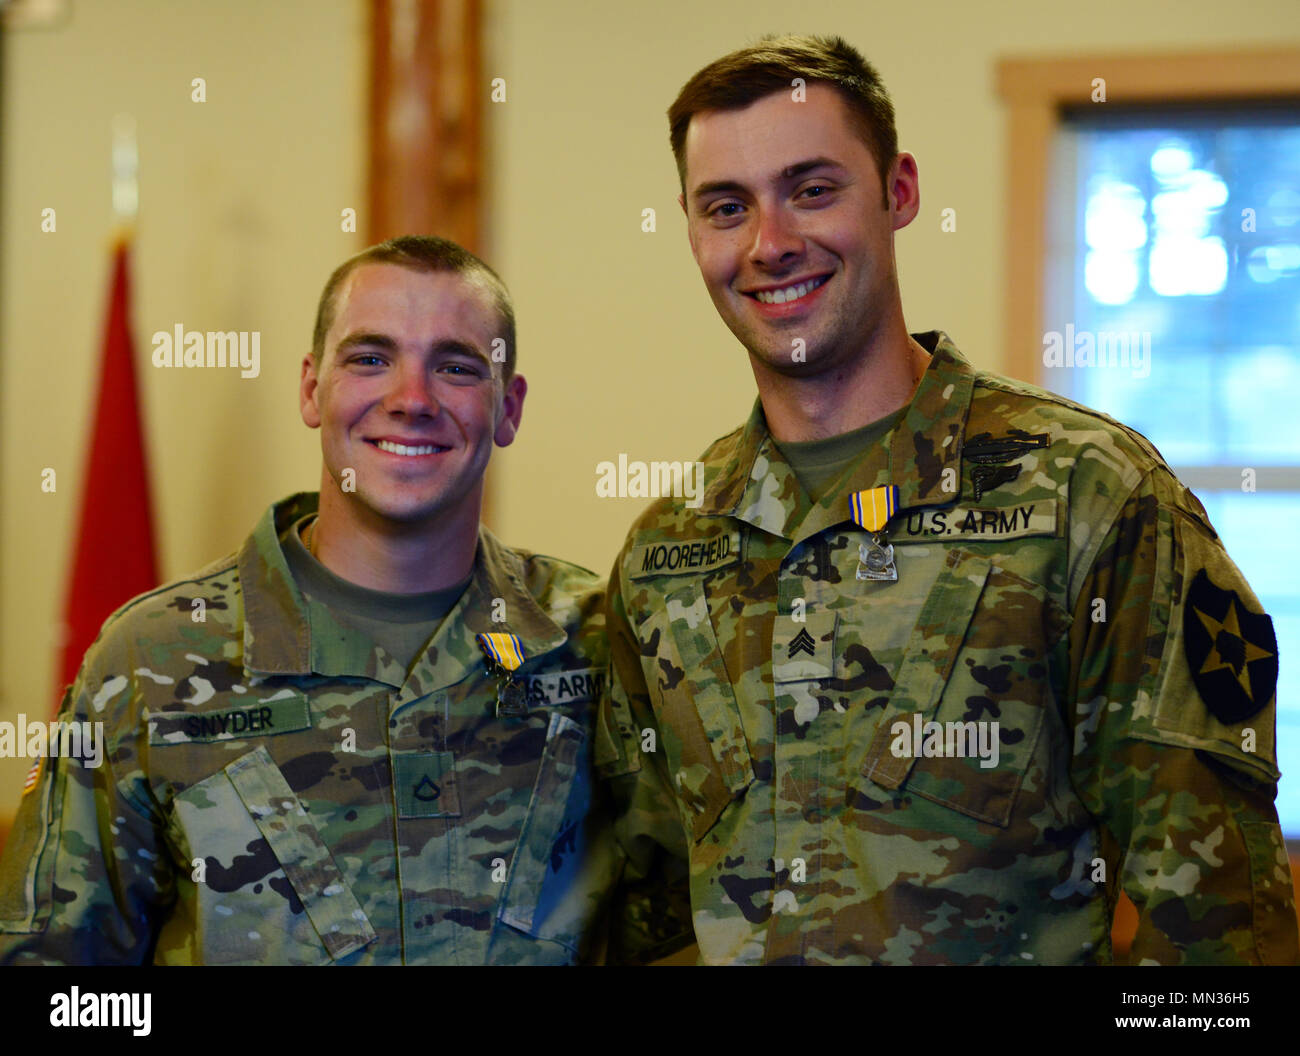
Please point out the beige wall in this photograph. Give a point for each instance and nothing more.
(240, 225)
(617, 335)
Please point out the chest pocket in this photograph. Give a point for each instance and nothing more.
(972, 693)
(699, 719)
(270, 892)
(544, 894)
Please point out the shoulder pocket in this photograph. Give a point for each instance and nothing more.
(269, 890)
(969, 702)
(27, 867)
(1220, 702)
(700, 727)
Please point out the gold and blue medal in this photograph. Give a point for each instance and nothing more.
(871, 509)
(504, 653)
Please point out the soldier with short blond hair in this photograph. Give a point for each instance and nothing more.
(364, 737)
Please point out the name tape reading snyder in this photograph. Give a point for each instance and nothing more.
(267, 718)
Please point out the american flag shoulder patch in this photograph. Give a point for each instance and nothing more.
(33, 776)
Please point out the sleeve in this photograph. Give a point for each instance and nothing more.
(1173, 671)
(84, 876)
(651, 915)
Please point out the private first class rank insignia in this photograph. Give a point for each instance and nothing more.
(871, 509)
(504, 653)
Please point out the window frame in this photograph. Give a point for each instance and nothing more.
(1036, 93)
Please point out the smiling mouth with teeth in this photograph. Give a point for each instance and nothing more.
(407, 449)
(789, 293)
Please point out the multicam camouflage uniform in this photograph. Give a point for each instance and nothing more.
(1054, 577)
(265, 800)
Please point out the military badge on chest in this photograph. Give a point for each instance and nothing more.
(504, 654)
(991, 457)
(871, 509)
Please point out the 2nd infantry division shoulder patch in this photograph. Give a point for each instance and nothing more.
(1232, 651)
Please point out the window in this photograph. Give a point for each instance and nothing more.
(1173, 264)
(1214, 133)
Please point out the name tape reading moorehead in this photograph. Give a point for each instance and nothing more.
(686, 555)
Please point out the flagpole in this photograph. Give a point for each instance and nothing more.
(125, 173)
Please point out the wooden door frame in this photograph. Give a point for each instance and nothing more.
(424, 134)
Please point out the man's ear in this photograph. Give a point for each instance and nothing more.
(307, 388)
(512, 410)
(904, 190)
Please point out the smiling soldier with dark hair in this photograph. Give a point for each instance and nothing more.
(965, 659)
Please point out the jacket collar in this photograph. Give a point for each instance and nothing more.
(757, 485)
(277, 632)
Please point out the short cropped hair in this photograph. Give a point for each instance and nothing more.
(423, 253)
(745, 76)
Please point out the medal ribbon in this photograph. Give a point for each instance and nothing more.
(505, 651)
(871, 509)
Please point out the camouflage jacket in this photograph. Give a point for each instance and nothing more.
(1067, 691)
(263, 799)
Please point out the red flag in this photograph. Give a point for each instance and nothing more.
(114, 548)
